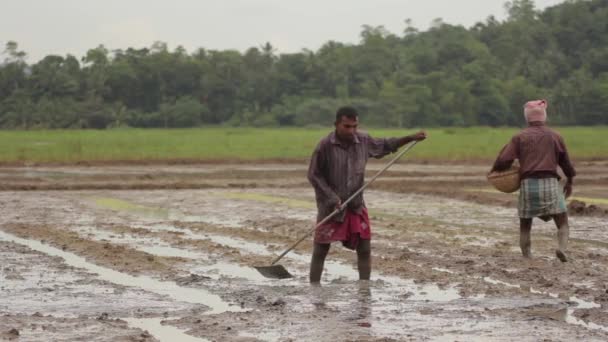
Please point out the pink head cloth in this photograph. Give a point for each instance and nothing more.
(536, 110)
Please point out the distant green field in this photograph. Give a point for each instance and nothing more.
(69, 146)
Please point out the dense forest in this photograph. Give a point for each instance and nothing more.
(446, 76)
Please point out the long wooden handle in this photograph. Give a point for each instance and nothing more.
(343, 206)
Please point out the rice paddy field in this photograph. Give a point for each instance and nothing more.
(154, 235)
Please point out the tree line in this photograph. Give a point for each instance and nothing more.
(448, 75)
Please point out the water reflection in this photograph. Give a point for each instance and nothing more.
(353, 303)
(363, 305)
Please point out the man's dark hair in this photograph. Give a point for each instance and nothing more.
(347, 111)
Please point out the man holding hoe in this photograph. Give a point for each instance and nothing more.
(336, 171)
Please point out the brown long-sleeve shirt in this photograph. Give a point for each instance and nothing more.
(539, 150)
(337, 170)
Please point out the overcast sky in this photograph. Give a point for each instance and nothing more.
(43, 27)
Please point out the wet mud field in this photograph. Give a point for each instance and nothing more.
(166, 253)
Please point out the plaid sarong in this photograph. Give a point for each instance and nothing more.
(540, 197)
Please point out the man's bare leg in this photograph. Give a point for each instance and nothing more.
(364, 259)
(319, 253)
(563, 232)
(525, 226)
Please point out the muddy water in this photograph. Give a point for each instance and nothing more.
(445, 269)
(189, 295)
(162, 332)
(567, 314)
(33, 282)
(151, 325)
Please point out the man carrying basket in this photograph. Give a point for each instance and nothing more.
(539, 151)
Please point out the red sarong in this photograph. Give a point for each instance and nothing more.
(355, 227)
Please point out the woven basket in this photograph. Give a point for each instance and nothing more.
(505, 181)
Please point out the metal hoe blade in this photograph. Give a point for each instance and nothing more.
(274, 272)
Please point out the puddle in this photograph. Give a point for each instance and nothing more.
(221, 269)
(218, 220)
(570, 318)
(185, 294)
(164, 333)
(166, 214)
(588, 284)
(145, 244)
(240, 206)
(215, 271)
(583, 305)
(250, 247)
(439, 269)
(426, 292)
(381, 310)
(168, 251)
(500, 282)
(334, 270)
(35, 282)
(264, 336)
(235, 220)
(232, 215)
